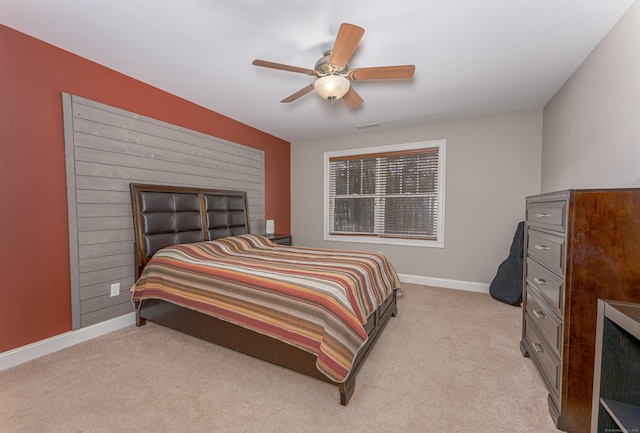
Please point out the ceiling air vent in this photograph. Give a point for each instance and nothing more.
(368, 126)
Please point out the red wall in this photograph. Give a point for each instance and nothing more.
(34, 254)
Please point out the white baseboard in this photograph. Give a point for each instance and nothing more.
(444, 283)
(50, 345)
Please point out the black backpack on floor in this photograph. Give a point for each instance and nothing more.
(507, 284)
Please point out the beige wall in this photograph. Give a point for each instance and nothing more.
(492, 164)
(591, 135)
(590, 138)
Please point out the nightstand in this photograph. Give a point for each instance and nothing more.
(280, 239)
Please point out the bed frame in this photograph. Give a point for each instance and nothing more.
(168, 215)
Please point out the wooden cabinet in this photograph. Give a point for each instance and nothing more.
(581, 245)
(616, 382)
(280, 239)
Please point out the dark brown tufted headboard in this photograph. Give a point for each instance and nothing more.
(169, 215)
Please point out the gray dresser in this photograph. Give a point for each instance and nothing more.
(581, 245)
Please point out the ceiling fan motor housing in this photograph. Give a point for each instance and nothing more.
(324, 67)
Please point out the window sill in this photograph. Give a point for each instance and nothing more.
(385, 241)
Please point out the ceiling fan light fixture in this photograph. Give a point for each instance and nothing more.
(332, 87)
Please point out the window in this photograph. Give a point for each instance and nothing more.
(390, 194)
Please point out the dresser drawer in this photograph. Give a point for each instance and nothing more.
(540, 314)
(549, 214)
(547, 249)
(548, 285)
(547, 362)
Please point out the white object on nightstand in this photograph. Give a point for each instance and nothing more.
(271, 227)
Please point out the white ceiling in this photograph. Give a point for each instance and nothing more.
(472, 57)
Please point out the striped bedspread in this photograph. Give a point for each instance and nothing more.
(315, 299)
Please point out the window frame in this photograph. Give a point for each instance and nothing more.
(438, 242)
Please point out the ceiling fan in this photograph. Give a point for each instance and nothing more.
(332, 72)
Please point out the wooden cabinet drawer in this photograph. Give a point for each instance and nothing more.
(549, 214)
(548, 285)
(371, 322)
(548, 249)
(540, 314)
(547, 362)
(374, 319)
(385, 305)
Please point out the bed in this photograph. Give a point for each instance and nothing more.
(200, 271)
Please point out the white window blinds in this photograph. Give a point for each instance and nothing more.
(386, 194)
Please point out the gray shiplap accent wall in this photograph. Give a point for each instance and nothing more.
(107, 149)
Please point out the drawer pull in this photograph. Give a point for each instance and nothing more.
(541, 247)
(541, 215)
(538, 347)
(540, 281)
(539, 314)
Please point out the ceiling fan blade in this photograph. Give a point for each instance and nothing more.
(346, 43)
(282, 67)
(352, 98)
(382, 73)
(299, 93)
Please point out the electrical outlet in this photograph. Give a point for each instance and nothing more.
(115, 289)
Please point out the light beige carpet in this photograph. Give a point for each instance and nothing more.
(449, 362)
